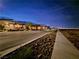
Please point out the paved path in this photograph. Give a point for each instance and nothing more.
(63, 49)
(10, 41)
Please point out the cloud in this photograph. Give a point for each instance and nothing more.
(2, 5)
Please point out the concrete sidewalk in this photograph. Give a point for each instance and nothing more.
(63, 49)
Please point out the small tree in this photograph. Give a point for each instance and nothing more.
(29, 25)
(1, 27)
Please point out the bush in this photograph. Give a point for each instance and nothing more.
(1, 27)
(25, 53)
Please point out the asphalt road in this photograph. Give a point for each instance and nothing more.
(11, 39)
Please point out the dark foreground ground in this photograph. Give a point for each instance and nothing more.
(72, 35)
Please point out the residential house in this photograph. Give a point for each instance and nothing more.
(38, 27)
(20, 25)
(8, 24)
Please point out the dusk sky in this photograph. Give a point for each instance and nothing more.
(50, 12)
